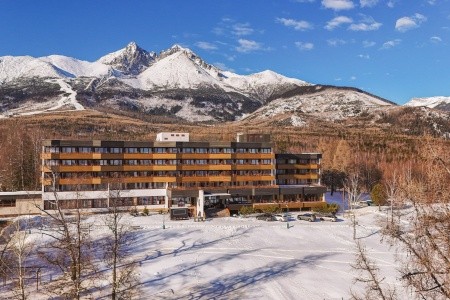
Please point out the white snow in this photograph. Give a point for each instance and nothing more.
(329, 104)
(69, 100)
(77, 67)
(243, 258)
(430, 102)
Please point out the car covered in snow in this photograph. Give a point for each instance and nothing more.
(307, 217)
(326, 217)
(282, 217)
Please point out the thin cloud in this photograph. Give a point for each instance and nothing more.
(366, 24)
(304, 46)
(392, 3)
(352, 78)
(391, 44)
(336, 42)
(223, 67)
(435, 39)
(338, 21)
(206, 46)
(338, 4)
(368, 3)
(241, 29)
(368, 44)
(364, 56)
(407, 23)
(297, 25)
(246, 46)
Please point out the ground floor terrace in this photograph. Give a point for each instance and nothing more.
(162, 200)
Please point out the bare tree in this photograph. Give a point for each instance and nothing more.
(69, 248)
(423, 233)
(123, 272)
(15, 258)
(369, 276)
(352, 186)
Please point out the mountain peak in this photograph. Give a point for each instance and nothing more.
(131, 60)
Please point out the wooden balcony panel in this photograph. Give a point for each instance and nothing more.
(298, 176)
(253, 167)
(206, 179)
(254, 178)
(77, 168)
(75, 181)
(254, 155)
(297, 166)
(150, 168)
(204, 167)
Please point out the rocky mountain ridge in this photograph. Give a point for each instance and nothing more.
(176, 83)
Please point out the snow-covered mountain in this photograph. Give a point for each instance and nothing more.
(175, 83)
(130, 60)
(439, 102)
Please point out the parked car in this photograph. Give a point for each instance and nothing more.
(365, 203)
(266, 217)
(326, 217)
(282, 218)
(307, 217)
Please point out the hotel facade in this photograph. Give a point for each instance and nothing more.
(174, 172)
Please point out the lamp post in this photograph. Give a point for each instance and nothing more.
(164, 219)
(287, 216)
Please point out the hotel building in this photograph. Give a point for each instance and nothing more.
(174, 172)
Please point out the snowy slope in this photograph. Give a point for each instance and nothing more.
(325, 102)
(12, 68)
(174, 71)
(439, 102)
(263, 85)
(243, 258)
(77, 68)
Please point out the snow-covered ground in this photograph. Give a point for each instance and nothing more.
(244, 258)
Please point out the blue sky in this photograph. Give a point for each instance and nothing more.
(396, 49)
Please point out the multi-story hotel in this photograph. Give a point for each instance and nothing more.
(174, 172)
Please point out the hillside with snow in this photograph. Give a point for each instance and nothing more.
(177, 84)
(439, 102)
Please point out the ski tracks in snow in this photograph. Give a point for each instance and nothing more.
(66, 100)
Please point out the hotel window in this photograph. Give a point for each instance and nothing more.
(201, 162)
(227, 150)
(188, 161)
(240, 161)
(85, 150)
(83, 162)
(51, 149)
(214, 150)
(188, 150)
(101, 150)
(68, 162)
(241, 150)
(8, 203)
(52, 162)
(201, 150)
(159, 150)
(145, 162)
(266, 150)
(173, 150)
(214, 161)
(115, 150)
(266, 161)
(145, 150)
(131, 162)
(131, 150)
(254, 162)
(159, 162)
(252, 150)
(68, 150)
(115, 162)
(292, 161)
